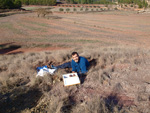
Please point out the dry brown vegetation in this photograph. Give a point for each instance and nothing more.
(118, 80)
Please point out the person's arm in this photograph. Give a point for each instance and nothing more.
(84, 66)
(73, 66)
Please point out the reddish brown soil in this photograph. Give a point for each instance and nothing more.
(92, 29)
(24, 50)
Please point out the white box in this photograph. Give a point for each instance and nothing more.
(71, 79)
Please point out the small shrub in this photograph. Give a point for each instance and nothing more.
(86, 9)
(67, 9)
(140, 6)
(116, 8)
(61, 9)
(74, 9)
(92, 9)
(81, 9)
(131, 5)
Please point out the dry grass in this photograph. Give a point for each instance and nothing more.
(116, 82)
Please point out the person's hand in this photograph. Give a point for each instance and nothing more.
(73, 72)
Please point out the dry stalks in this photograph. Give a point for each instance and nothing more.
(113, 69)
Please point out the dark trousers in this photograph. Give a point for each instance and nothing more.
(65, 65)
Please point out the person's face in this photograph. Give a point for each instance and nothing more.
(75, 57)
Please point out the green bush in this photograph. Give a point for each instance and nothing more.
(86, 9)
(116, 8)
(81, 9)
(61, 9)
(67, 9)
(74, 9)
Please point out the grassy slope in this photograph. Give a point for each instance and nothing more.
(118, 80)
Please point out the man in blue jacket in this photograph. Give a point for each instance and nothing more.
(78, 64)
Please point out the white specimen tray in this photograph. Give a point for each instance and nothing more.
(71, 79)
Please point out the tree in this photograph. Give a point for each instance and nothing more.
(17, 4)
(6, 4)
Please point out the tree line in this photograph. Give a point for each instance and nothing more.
(10, 4)
(140, 3)
(38, 2)
(89, 1)
(14, 4)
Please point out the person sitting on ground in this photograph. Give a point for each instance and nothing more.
(78, 64)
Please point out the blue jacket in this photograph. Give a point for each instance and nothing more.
(81, 65)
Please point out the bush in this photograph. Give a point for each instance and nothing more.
(86, 9)
(81, 9)
(74, 9)
(140, 6)
(116, 8)
(131, 5)
(61, 9)
(67, 9)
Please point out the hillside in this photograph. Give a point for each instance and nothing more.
(115, 42)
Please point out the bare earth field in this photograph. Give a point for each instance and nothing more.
(67, 30)
(115, 42)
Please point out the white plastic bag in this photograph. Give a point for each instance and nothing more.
(44, 70)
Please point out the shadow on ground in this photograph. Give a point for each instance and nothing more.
(7, 47)
(16, 101)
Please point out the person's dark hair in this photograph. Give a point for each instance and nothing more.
(73, 53)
